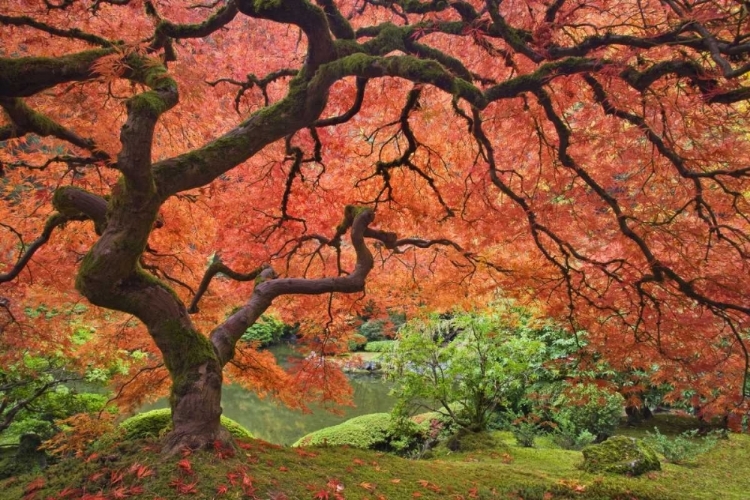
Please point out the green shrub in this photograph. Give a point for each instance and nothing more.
(589, 408)
(472, 359)
(155, 423)
(380, 345)
(568, 437)
(683, 448)
(267, 330)
(525, 433)
(376, 431)
(373, 329)
(357, 342)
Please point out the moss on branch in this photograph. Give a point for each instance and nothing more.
(25, 76)
(407, 67)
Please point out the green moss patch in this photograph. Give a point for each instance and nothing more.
(621, 455)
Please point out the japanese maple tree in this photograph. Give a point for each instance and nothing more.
(188, 164)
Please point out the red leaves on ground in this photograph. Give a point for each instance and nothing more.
(367, 486)
(222, 451)
(304, 453)
(140, 471)
(36, 484)
(185, 466)
(182, 487)
(428, 485)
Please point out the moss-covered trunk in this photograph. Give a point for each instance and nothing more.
(196, 393)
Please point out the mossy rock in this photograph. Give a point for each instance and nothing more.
(155, 423)
(620, 455)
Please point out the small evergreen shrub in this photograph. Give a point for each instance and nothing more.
(267, 330)
(683, 448)
(525, 433)
(380, 345)
(568, 437)
(373, 329)
(357, 342)
(589, 408)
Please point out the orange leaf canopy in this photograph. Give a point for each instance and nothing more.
(588, 157)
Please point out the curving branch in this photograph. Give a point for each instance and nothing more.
(73, 34)
(225, 336)
(216, 267)
(254, 81)
(26, 120)
(166, 30)
(361, 84)
(72, 204)
(55, 221)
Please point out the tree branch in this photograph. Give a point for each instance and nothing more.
(225, 336)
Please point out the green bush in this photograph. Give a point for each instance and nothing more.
(683, 448)
(525, 433)
(588, 408)
(376, 431)
(267, 330)
(380, 345)
(373, 329)
(155, 423)
(568, 437)
(472, 359)
(357, 342)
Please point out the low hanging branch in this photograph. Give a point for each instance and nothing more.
(225, 336)
(216, 267)
(72, 204)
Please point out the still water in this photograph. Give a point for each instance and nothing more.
(276, 423)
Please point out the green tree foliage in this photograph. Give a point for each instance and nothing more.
(683, 448)
(585, 410)
(34, 394)
(487, 364)
(268, 330)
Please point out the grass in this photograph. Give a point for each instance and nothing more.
(489, 466)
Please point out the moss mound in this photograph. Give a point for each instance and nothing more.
(376, 431)
(157, 422)
(362, 432)
(620, 455)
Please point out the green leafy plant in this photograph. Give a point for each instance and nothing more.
(380, 345)
(485, 365)
(34, 395)
(587, 407)
(373, 329)
(683, 448)
(267, 330)
(569, 437)
(525, 430)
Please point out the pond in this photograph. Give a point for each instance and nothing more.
(278, 424)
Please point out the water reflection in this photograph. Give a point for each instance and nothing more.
(277, 424)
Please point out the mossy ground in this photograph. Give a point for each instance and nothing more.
(260, 470)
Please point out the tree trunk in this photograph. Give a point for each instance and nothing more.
(195, 399)
(637, 414)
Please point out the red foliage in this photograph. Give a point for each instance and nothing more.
(594, 169)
